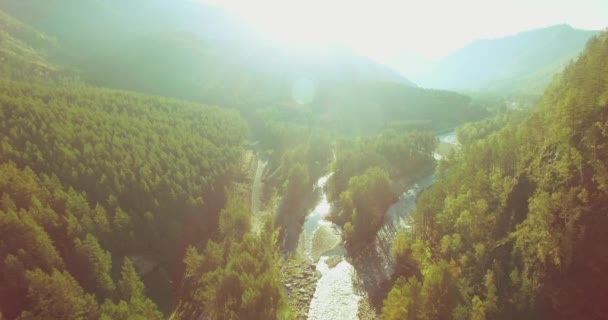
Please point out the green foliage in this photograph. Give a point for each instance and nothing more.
(90, 175)
(235, 219)
(361, 186)
(24, 54)
(297, 157)
(137, 308)
(129, 284)
(403, 302)
(429, 299)
(402, 154)
(131, 153)
(52, 266)
(133, 303)
(298, 182)
(407, 255)
(471, 132)
(235, 278)
(136, 168)
(295, 149)
(516, 211)
(58, 296)
(96, 265)
(364, 202)
(368, 108)
(383, 105)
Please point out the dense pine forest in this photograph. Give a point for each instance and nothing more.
(514, 227)
(107, 170)
(172, 169)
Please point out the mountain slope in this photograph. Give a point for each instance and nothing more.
(515, 227)
(182, 49)
(201, 53)
(24, 52)
(90, 176)
(521, 63)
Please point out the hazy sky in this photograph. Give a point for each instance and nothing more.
(409, 32)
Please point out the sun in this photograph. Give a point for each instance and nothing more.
(369, 28)
(300, 25)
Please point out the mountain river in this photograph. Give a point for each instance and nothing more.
(340, 289)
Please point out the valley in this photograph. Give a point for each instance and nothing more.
(170, 160)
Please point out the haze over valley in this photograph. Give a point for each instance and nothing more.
(303, 160)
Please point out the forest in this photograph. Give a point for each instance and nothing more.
(158, 160)
(513, 230)
(118, 171)
(361, 185)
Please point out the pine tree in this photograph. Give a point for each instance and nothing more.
(129, 285)
(58, 296)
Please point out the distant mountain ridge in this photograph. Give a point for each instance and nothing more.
(520, 63)
(183, 49)
(186, 50)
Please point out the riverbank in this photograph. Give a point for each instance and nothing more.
(373, 260)
(402, 184)
(342, 291)
(300, 278)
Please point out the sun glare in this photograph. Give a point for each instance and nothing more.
(389, 29)
(300, 25)
(369, 28)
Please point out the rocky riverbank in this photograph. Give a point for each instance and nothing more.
(300, 281)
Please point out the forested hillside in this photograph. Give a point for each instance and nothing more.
(235, 275)
(53, 265)
(24, 52)
(515, 227)
(119, 174)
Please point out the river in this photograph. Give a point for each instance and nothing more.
(341, 287)
(335, 296)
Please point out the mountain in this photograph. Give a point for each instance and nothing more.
(521, 63)
(185, 49)
(24, 51)
(202, 53)
(514, 226)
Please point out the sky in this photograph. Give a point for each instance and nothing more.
(409, 34)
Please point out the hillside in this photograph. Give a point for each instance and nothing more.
(521, 63)
(201, 53)
(103, 192)
(91, 176)
(184, 49)
(24, 52)
(513, 229)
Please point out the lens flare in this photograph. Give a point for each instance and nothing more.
(303, 91)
